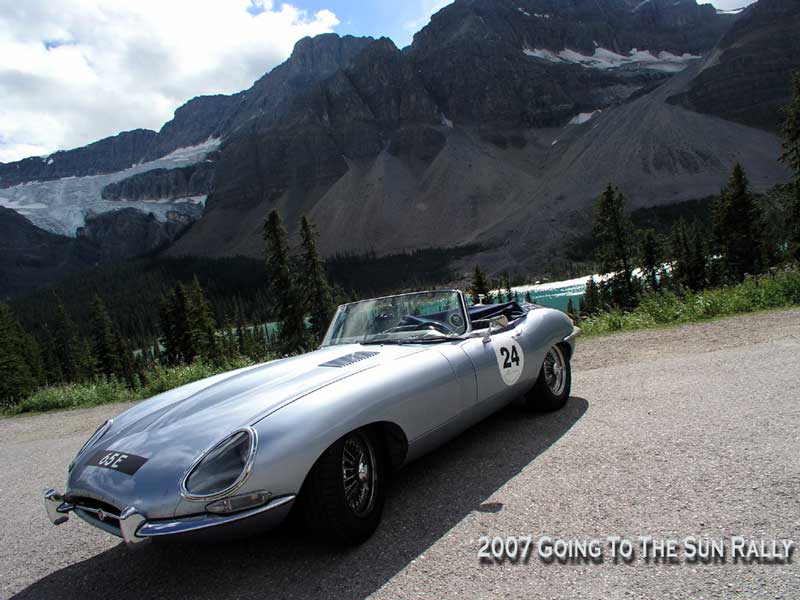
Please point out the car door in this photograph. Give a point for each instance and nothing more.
(499, 364)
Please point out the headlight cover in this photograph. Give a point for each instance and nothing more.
(99, 432)
(223, 468)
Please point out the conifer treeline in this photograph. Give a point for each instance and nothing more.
(189, 327)
(749, 235)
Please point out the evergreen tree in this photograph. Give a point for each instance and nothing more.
(180, 325)
(184, 328)
(316, 288)
(51, 368)
(688, 251)
(507, 286)
(591, 298)
(791, 129)
(169, 334)
(571, 310)
(127, 364)
(16, 378)
(651, 259)
(201, 323)
(698, 258)
(70, 350)
(479, 286)
(791, 157)
(613, 233)
(292, 336)
(737, 227)
(104, 345)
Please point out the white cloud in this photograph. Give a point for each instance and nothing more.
(427, 8)
(74, 71)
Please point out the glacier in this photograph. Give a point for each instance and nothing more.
(62, 205)
(607, 59)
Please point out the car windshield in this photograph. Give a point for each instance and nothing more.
(406, 318)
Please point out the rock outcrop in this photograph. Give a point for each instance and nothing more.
(746, 78)
(31, 257)
(129, 232)
(164, 184)
(105, 156)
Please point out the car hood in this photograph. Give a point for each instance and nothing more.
(237, 398)
(171, 430)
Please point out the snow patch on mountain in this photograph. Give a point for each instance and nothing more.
(61, 206)
(583, 117)
(732, 11)
(605, 59)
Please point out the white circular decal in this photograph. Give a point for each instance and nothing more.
(510, 359)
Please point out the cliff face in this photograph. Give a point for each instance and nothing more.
(129, 232)
(746, 78)
(31, 257)
(105, 156)
(164, 184)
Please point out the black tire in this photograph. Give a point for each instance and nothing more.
(546, 395)
(338, 514)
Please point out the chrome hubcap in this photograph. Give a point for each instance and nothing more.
(358, 474)
(363, 472)
(555, 371)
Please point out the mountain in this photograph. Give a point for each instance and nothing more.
(747, 76)
(31, 257)
(488, 130)
(497, 127)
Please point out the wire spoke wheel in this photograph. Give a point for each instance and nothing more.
(358, 474)
(555, 370)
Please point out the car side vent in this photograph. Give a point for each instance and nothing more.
(349, 359)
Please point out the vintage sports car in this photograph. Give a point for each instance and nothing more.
(394, 378)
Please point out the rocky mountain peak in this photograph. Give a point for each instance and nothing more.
(315, 58)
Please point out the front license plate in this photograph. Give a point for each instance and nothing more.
(117, 461)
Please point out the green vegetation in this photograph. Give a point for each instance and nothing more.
(293, 336)
(750, 264)
(106, 390)
(764, 292)
(479, 286)
(791, 157)
(615, 235)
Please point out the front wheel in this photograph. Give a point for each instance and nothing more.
(552, 388)
(345, 489)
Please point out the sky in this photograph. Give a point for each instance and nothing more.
(75, 71)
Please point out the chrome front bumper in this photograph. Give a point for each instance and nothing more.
(134, 527)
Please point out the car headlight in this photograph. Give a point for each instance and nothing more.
(99, 432)
(223, 468)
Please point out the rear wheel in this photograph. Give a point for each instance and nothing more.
(552, 388)
(345, 489)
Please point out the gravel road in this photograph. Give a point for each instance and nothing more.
(689, 431)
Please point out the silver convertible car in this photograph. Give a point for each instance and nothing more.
(316, 434)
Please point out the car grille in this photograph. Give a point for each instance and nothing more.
(103, 514)
(349, 359)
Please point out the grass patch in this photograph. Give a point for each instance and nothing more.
(775, 290)
(110, 390)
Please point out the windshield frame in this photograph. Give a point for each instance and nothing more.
(327, 340)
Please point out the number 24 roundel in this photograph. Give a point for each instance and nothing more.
(510, 359)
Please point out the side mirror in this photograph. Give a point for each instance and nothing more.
(488, 337)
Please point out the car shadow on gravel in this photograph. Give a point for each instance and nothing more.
(425, 501)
